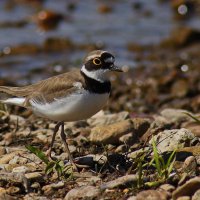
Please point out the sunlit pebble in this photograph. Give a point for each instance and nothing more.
(184, 68)
(125, 68)
(7, 50)
(182, 9)
(129, 81)
(58, 68)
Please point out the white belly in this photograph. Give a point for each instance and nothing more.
(75, 107)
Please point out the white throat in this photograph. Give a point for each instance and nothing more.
(99, 75)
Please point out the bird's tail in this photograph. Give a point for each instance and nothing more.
(11, 95)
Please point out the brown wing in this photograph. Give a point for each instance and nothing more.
(47, 90)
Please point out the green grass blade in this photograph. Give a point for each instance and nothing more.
(38, 153)
(192, 116)
(156, 157)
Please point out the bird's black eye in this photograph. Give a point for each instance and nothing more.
(96, 61)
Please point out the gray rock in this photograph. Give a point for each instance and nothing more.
(124, 180)
(83, 192)
(175, 115)
(188, 189)
(168, 140)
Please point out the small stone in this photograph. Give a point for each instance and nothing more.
(124, 180)
(196, 195)
(127, 139)
(188, 189)
(152, 194)
(7, 157)
(121, 148)
(21, 169)
(167, 187)
(184, 198)
(110, 134)
(2, 151)
(175, 115)
(13, 190)
(17, 119)
(107, 119)
(33, 176)
(190, 166)
(132, 198)
(83, 192)
(194, 127)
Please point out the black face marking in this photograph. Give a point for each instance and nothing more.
(95, 86)
(105, 61)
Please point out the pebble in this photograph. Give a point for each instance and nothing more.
(190, 166)
(184, 198)
(110, 134)
(152, 194)
(33, 176)
(106, 119)
(83, 192)
(175, 115)
(21, 169)
(5, 159)
(167, 187)
(187, 189)
(196, 195)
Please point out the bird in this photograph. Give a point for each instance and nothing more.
(71, 96)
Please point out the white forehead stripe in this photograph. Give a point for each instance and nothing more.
(94, 56)
(109, 60)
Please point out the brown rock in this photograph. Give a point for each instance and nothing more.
(188, 189)
(190, 166)
(151, 195)
(180, 88)
(194, 127)
(110, 134)
(195, 150)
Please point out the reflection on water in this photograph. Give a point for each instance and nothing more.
(144, 22)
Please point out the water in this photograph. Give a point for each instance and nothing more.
(147, 25)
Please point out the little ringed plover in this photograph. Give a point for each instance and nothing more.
(71, 96)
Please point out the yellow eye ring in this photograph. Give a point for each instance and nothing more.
(97, 61)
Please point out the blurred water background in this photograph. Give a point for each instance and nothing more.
(78, 26)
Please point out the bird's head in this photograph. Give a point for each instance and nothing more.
(98, 64)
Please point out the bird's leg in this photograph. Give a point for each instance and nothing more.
(53, 139)
(63, 137)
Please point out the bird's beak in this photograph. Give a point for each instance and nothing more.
(116, 69)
